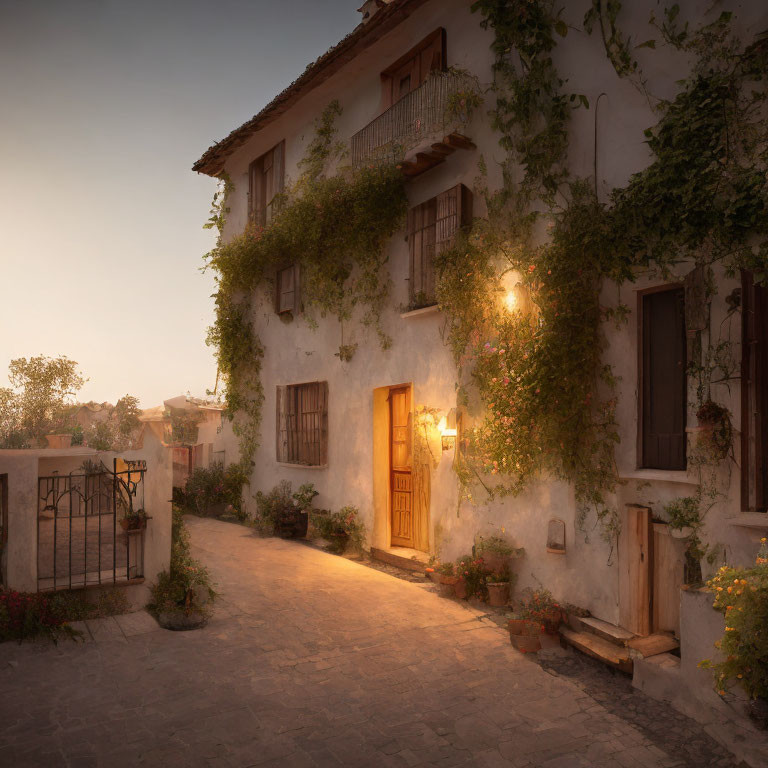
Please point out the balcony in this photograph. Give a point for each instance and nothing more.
(421, 129)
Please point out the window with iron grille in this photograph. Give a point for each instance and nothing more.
(663, 401)
(266, 178)
(432, 227)
(754, 395)
(302, 424)
(287, 289)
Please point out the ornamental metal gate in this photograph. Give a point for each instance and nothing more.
(80, 539)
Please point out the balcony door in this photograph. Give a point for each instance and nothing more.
(412, 69)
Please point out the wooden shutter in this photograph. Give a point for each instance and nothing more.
(266, 178)
(754, 396)
(432, 227)
(302, 424)
(664, 395)
(275, 181)
(413, 68)
(286, 289)
(255, 193)
(282, 425)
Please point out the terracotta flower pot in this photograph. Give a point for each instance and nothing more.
(526, 643)
(133, 524)
(516, 626)
(531, 627)
(460, 589)
(552, 619)
(59, 441)
(498, 593)
(448, 585)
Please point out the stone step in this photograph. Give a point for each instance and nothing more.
(407, 559)
(616, 656)
(653, 645)
(606, 631)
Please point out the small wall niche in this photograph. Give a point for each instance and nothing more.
(556, 537)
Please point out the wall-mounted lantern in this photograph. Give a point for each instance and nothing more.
(447, 428)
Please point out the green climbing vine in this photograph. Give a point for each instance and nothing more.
(335, 228)
(537, 364)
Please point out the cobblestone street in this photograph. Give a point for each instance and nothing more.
(315, 660)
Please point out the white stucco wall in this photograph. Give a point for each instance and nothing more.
(295, 353)
(24, 467)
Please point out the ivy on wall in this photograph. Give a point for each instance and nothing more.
(336, 230)
(538, 367)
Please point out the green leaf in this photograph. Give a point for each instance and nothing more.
(561, 28)
(647, 44)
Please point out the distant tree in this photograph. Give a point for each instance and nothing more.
(41, 387)
(127, 411)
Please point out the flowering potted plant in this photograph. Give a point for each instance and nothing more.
(342, 528)
(448, 579)
(499, 586)
(134, 520)
(497, 553)
(541, 607)
(741, 595)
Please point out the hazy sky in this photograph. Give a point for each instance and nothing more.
(104, 106)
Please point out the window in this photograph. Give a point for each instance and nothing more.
(754, 395)
(266, 178)
(663, 399)
(432, 227)
(411, 70)
(302, 424)
(287, 289)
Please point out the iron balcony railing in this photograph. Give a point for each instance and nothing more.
(433, 108)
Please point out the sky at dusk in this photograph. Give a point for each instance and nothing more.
(104, 106)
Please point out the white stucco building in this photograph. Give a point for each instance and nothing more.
(366, 404)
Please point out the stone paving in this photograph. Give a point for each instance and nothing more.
(311, 660)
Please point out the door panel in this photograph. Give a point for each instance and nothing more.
(401, 483)
(635, 554)
(668, 564)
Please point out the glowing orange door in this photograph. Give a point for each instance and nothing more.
(401, 481)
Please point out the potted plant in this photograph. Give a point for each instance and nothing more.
(342, 528)
(527, 636)
(497, 553)
(293, 522)
(499, 586)
(541, 607)
(134, 520)
(715, 428)
(448, 580)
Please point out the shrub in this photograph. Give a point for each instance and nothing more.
(75, 605)
(741, 595)
(214, 490)
(342, 528)
(186, 586)
(471, 569)
(24, 615)
(271, 507)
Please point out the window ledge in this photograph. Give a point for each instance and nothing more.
(432, 310)
(301, 466)
(665, 475)
(750, 520)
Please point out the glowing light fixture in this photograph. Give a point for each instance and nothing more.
(510, 300)
(447, 428)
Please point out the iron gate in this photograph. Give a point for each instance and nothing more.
(80, 539)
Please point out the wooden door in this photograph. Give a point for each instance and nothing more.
(635, 555)
(401, 479)
(668, 565)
